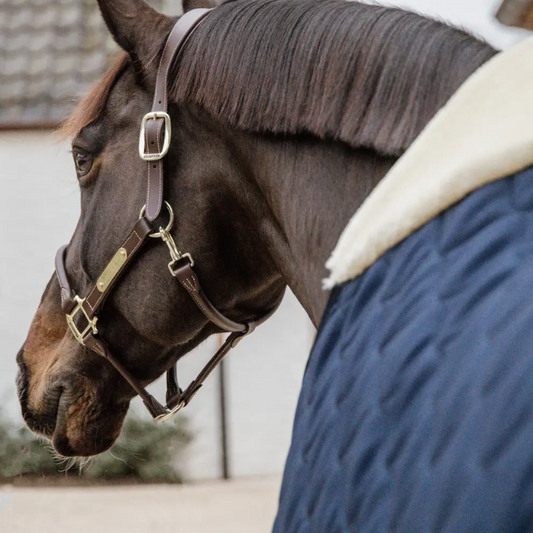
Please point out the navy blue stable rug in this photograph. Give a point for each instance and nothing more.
(416, 411)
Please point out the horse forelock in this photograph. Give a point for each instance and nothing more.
(367, 75)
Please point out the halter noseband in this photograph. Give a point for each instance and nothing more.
(155, 127)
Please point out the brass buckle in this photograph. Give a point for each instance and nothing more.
(154, 115)
(91, 322)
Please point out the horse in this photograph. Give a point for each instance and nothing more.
(286, 116)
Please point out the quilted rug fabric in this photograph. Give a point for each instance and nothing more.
(416, 410)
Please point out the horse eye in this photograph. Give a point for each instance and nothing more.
(83, 162)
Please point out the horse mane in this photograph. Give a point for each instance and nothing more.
(366, 75)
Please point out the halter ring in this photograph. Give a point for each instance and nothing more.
(170, 224)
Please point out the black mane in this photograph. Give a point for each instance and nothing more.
(369, 76)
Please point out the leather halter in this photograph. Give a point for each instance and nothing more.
(155, 129)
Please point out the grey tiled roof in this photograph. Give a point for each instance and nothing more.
(51, 52)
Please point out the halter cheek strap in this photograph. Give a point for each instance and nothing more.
(82, 313)
(156, 128)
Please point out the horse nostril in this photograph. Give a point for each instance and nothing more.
(20, 357)
(22, 376)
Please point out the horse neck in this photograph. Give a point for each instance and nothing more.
(309, 190)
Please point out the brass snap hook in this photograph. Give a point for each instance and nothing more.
(166, 237)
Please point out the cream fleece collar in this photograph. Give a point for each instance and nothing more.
(484, 133)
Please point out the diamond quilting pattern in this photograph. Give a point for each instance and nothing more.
(416, 410)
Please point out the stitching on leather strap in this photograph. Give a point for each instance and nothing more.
(159, 71)
(133, 235)
(89, 297)
(98, 349)
(190, 282)
(208, 315)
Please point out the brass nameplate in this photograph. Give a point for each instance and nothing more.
(111, 270)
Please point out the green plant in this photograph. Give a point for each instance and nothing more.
(21, 453)
(143, 453)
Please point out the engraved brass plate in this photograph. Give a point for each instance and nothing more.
(111, 270)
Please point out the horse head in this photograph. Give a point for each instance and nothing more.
(67, 392)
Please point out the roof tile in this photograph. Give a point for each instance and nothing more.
(51, 52)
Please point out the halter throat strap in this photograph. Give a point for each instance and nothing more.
(82, 313)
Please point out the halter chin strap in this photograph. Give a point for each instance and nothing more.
(82, 313)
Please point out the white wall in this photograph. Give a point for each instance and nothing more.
(39, 210)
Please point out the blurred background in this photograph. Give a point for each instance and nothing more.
(51, 51)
